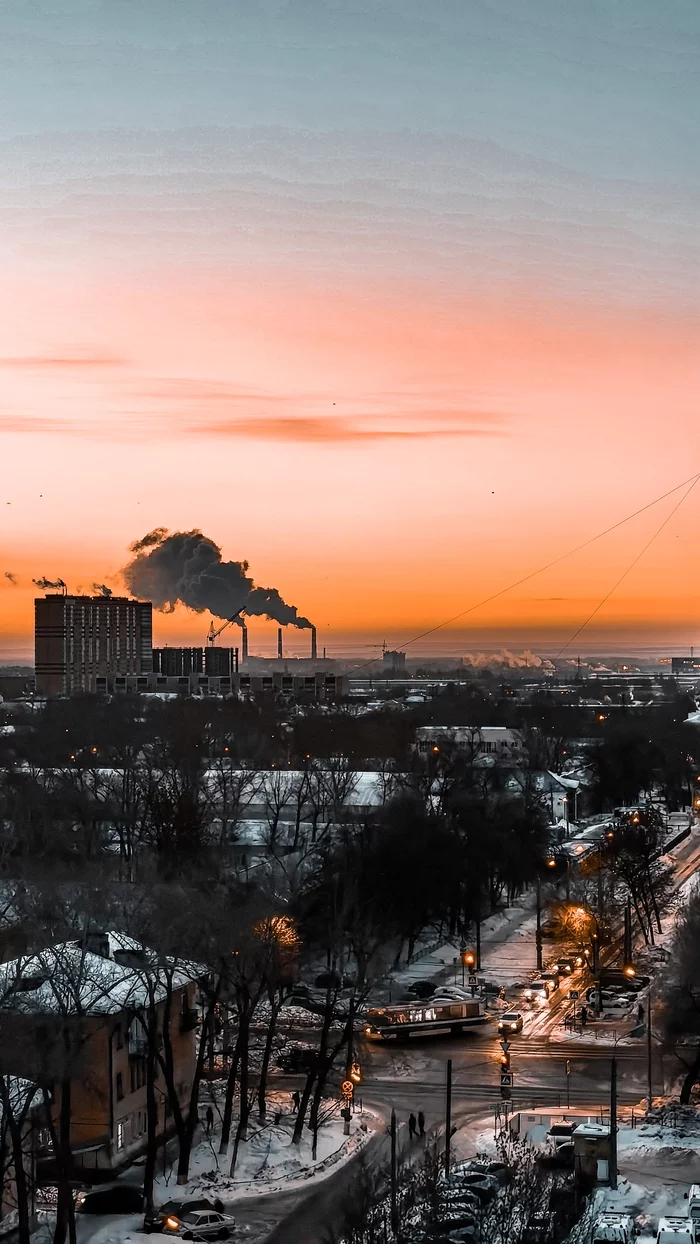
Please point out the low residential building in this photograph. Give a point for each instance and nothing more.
(75, 1014)
(483, 744)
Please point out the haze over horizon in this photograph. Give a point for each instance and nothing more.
(395, 301)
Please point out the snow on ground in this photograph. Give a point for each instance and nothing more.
(267, 1161)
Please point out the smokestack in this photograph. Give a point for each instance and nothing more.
(280, 653)
(313, 643)
(244, 642)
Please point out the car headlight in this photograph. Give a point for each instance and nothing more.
(172, 1223)
(514, 1026)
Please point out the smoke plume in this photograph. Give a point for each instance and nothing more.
(101, 589)
(11, 577)
(45, 583)
(187, 566)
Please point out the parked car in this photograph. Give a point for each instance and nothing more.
(512, 1021)
(201, 1224)
(614, 1229)
(176, 1209)
(297, 1059)
(540, 1230)
(693, 1199)
(120, 1198)
(675, 1231)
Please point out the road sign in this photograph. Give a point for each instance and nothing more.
(574, 995)
(347, 1088)
(505, 1045)
(506, 1079)
(471, 980)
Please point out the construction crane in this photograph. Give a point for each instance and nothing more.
(214, 632)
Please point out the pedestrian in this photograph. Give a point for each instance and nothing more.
(209, 1117)
(296, 1101)
(412, 1125)
(421, 1123)
(584, 1016)
(640, 1014)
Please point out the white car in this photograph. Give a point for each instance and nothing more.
(614, 1229)
(676, 1231)
(201, 1224)
(539, 991)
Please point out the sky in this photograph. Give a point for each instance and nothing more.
(396, 301)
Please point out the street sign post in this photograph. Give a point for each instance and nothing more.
(506, 1084)
(505, 1045)
(574, 995)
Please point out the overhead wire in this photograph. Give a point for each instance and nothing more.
(631, 567)
(688, 483)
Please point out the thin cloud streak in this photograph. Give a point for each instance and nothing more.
(35, 362)
(334, 430)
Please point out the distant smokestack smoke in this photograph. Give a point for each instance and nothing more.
(11, 577)
(45, 583)
(313, 643)
(101, 589)
(187, 566)
(280, 651)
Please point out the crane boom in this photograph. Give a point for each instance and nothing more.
(213, 633)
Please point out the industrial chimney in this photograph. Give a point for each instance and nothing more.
(280, 653)
(244, 642)
(313, 643)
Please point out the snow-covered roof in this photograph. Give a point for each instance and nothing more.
(69, 979)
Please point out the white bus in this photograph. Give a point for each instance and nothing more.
(422, 1019)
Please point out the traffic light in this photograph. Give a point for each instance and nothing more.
(468, 958)
(505, 1061)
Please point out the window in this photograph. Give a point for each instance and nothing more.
(120, 1086)
(121, 1135)
(137, 1068)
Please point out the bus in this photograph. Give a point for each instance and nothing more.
(422, 1019)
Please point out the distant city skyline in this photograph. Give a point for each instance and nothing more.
(395, 301)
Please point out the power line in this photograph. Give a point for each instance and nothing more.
(631, 567)
(691, 482)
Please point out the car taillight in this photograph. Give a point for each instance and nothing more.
(172, 1223)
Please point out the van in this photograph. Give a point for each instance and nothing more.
(614, 1229)
(693, 1199)
(676, 1231)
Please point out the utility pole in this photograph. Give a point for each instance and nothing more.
(538, 930)
(448, 1118)
(478, 943)
(394, 1179)
(649, 1079)
(613, 1124)
(627, 946)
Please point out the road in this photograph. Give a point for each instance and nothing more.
(412, 1077)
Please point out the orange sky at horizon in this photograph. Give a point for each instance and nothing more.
(383, 455)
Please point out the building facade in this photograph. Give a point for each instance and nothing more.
(79, 640)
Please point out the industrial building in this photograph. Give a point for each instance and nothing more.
(80, 641)
(319, 685)
(179, 662)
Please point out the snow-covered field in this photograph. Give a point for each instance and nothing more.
(268, 1161)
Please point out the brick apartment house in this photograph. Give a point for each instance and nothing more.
(72, 1012)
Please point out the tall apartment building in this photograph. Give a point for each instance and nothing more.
(78, 639)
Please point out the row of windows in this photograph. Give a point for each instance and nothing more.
(137, 1077)
(131, 1128)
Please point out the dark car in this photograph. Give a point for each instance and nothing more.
(565, 966)
(117, 1199)
(422, 989)
(297, 1060)
(177, 1209)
